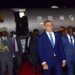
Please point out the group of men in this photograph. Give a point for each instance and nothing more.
(10, 50)
(56, 50)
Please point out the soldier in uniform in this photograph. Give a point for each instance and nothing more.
(6, 53)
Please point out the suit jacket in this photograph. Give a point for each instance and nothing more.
(18, 44)
(33, 49)
(68, 48)
(46, 50)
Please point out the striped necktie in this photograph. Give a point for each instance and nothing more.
(51, 39)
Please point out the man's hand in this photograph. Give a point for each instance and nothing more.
(45, 66)
(13, 56)
(63, 64)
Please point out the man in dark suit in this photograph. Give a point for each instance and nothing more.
(68, 42)
(62, 30)
(6, 53)
(33, 50)
(50, 50)
(17, 51)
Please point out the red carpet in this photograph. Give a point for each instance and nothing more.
(27, 69)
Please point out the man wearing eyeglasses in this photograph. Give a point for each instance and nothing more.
(50, 50)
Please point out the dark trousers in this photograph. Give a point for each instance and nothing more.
(17, 63)
(54, 68)
(70, 67)
(5, 63)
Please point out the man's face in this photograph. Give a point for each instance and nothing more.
(13, 35)
(70, 31)
(4, 33)
(48, 26)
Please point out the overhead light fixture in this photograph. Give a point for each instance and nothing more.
(21, 14)
(50, 18)
(54, 6)
(61, 17)
(18, 10)
(71, 17)
(39, 18)
(41, 23)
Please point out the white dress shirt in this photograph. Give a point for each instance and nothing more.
(71, 38)
(28, 41)
(4, 38)
(16, 46)
(53, 36)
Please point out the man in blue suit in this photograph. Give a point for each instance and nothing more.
(69, 47)
(50, 50)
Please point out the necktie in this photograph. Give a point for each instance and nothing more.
(13, 41)
(15, 45)
(52, 42)
(71, 40)
(5, 40)
(51, 39)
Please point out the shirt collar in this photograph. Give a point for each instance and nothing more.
(49, 32)
(69, 35)
(4, 38)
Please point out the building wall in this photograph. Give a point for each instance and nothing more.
(8, 19)
(55, 13)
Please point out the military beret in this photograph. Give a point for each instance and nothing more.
(3, 29)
